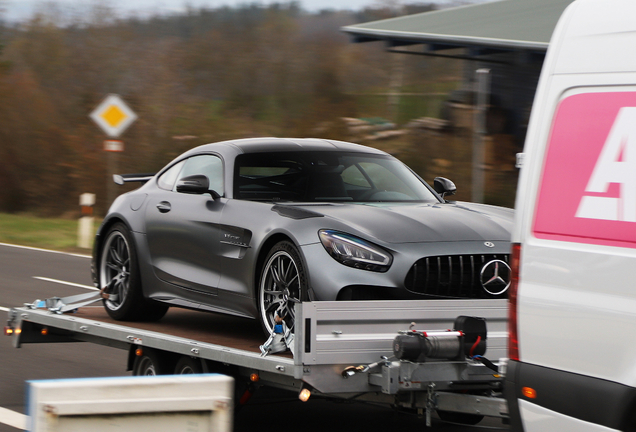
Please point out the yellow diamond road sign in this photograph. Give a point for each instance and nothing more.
(113, 115)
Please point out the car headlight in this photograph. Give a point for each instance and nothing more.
(355, 252)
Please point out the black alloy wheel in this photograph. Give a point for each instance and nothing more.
(283, 283)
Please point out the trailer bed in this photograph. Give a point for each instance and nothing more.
(330, 337)
(210, 328)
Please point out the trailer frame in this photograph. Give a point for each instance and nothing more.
(329, 338)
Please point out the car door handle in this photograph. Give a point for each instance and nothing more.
(164, 206)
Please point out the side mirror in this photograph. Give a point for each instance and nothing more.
(196, 184)
(444, 186)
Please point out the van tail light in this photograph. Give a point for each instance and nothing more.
(513, 334)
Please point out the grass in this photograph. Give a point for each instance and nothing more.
(55, 234)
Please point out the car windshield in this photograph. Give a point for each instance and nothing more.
(326, 176)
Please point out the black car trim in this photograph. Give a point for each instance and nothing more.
(586, 398)
(454, 276)
(295, 212)
(186, 285)
(239, 244)
(120, 179)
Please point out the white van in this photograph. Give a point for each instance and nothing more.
(573, 301)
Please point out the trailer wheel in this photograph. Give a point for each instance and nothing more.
(283, 283)
(188, 365)
(150, 363)
(462, 418)
(119, 270)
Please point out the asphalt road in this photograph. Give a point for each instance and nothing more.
(21, 270)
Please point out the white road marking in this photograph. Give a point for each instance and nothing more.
(88, 287)
(45, 250)
(14, 419)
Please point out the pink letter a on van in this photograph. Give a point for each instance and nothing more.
(588, 186)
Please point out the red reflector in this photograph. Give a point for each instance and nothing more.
(246, 396)
(513, 335)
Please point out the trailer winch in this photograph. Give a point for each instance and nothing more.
(467, 339)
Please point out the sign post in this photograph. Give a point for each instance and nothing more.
(482, 90)
(85, 228)
(113, 116)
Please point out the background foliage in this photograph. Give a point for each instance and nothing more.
(203, 76)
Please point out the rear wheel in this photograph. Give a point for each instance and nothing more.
(188, 366)
(283, 283)
(150, 363)
(119, 271)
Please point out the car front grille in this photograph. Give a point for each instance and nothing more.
(457, 276)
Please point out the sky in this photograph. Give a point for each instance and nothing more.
(18, 10)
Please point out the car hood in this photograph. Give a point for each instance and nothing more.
(414, 223)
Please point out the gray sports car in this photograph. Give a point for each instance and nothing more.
(248, 227)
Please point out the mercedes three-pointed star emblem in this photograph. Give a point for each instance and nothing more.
(495, 277)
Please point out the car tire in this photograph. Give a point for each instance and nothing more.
(119, 268)
(283, 282)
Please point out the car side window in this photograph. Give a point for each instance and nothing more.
(167, 179)
(208, 165)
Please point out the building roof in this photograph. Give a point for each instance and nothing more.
(505, 24)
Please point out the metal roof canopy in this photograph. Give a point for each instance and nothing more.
(506, 25)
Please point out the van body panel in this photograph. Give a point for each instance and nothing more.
(575, 220)
(577, 315)
(595, 38)
(540, 419)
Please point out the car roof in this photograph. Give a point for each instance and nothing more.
(258, 145)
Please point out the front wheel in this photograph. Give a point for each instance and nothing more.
(283, 283)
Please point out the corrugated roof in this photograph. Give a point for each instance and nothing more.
(514, 24)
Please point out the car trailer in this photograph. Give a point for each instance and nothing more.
(418, 356)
